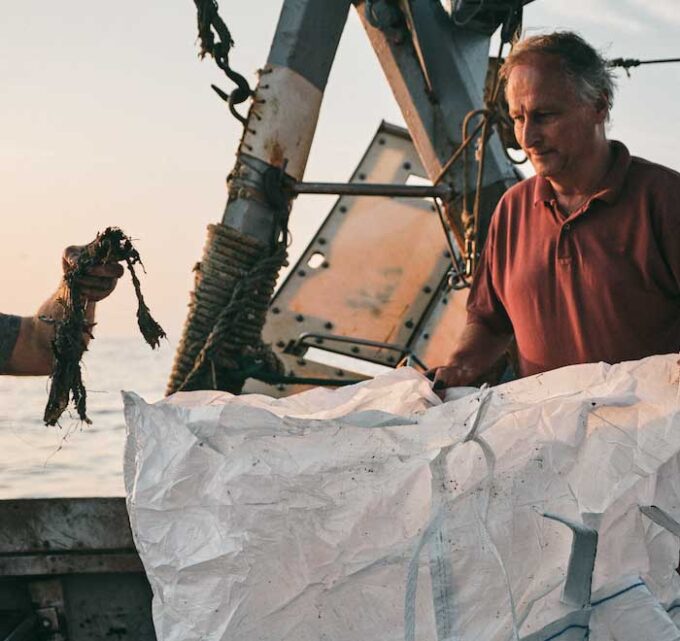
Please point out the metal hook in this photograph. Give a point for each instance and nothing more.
(232, 100)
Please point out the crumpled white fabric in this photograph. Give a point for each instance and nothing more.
(377, 512)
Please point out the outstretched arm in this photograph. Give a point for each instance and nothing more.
(32, 353)
(477, 351)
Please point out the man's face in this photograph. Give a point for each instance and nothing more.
(555, 126)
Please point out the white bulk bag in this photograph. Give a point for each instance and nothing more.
(375, 512)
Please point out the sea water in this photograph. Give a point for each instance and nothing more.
(75, 459)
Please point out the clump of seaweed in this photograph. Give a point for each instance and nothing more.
(112, 245)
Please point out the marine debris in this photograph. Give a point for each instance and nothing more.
(68, 346)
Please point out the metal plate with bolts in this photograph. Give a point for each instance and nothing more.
(373, 265)
(373, 271)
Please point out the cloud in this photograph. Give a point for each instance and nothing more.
(666, 12)
(585, 15)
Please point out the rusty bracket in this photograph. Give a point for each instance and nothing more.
(48, 600)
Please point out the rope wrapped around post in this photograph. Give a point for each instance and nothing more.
(222, 340)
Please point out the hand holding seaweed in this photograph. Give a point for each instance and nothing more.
(110, 247)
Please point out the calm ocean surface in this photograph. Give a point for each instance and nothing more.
(77, 460)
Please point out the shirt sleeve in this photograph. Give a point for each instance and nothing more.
(484, 306)
(668, 222)
(9, 332)
(670, 240)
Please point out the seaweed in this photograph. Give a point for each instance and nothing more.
(68, 346)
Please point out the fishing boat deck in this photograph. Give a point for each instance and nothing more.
(69, 570)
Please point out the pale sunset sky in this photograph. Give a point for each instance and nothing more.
(107, 118)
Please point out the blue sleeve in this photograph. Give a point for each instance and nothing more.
(9, 332)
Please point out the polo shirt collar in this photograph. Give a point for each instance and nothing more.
(611, 185)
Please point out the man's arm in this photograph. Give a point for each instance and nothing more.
(477, 351)
(32, 353)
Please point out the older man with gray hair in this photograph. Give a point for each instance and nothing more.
(582, 260)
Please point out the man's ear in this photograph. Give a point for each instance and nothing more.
(602, 106)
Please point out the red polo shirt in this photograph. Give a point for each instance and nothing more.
(602, 284)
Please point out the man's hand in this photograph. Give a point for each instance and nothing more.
(32, 354)
(99, 281)
(453, 375)
(476, 352)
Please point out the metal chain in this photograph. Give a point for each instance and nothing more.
(216, 41)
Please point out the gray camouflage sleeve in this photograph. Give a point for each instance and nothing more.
(9, 332)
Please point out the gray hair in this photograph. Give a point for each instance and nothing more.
(583, 64)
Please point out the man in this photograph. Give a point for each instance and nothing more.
(26, 343)
(582, 261)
